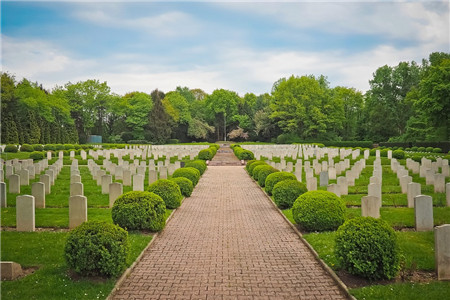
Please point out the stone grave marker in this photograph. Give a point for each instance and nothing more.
(115, 190)
(75, 179)
(138, 182)
(25, 217)
(127, 178)
(404, 181)
(45, 179)
(413, 190)
(38, 192)
(423, 208)
(311, 183)
(106, 181)
(14, 184)
(3, 202)
(343, 186)
(24, 177)
(76, 189)
(324, 178)
(334, 188)
(439, 183)
(374, 189)
(370, 207)
(162, 172)
(77, 210)
(152, 176)
(442, 251)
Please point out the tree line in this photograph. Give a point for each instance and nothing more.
(407, 102)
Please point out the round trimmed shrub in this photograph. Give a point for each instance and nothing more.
(414, 148)
(188, 172)
(168, 191)
(185, 185)
(286, 192)
(383, 152)
(421, 149)
(26, 148)
(246, 155)
(417, 158)
(373, 152)
(429, 149)
(249, 162)
(139, 210)
(60, 147)
(319, 211)
(276, 177)
(205, 154)
(264, 172)
(38, 147)
(97, 249)
(69, 147)
(11, 148)
(199, 164)
(254, 165)
(437, 150)
(255, 172)
(399, 154)
(367, 247)
(36, 155)
(50, 147)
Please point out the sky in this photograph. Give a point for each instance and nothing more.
(240, 46)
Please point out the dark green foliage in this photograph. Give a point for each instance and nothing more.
(139, 211)
(249, 162)
(274, 178)
(254, 165)
(417, 158)
(186, 186)
(362, 144)
(367, 247)
(69, 147)
(199, 164)
(38, 147)
(437, 150)
(158, 129)
(60, 147)
(399, 154)
(319, 211)
(26, 148)
(97, 249)
(255, 171)
(383, 152)
(429, 149)
(243, 154)
(168, 191)
(137, 142)
(414, 148)
(205, 154)
(188, 172)
(36, 155)
(263, 173)
(421, 149)
(51, 147)
(11, 148)
(373, 151)
(286, 192)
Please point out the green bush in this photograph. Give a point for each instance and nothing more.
(188, 172)
(168, 191)
(77, 147)
(254, 165)
(37, 155)
(263, 173)
(38, 147)
(173, 141)
(383, 153)
(373, 151)
(399, 154)
(367, 247)
(249, 162)
(50, 147)
(69, 147)
(97, 249)
(421, 149)
(437, 150)
(213, 148)
(286, 192)
(246, 155)
(255, 171)
(408, 149)
(414, 148)
(26, 148)
(274, 178)
(205, 154)
(429, 149)
(11, 149)
(199, 164)
(60, 147)
(319, 211)
(417, 158)
(185, 185)
(139, 210)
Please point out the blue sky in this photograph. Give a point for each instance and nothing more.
(240, 46)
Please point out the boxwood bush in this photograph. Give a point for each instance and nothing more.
(205, 154)
(421, 149)
(249, 162)
(168, 191)
(429, 149)
(11, 148)
(38, 147)
(399, 154)
(437, 150)
(264, 172)
(254, 165)
(319, 211)
(97, 249)
(37, 155)
(243, 154)
(367, 247)
(139, 210)
(199, 164)
(188, 172)
(256, 169)
(26, 148)
(287, 191)
(185, 185)
(274, 178)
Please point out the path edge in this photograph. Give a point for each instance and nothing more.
(128, 271)
(342, 286)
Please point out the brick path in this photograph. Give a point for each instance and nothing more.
(228, 242)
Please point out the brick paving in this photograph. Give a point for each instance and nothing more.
(228, 242)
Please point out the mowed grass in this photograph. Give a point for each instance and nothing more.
(52, 280)
(435, 290)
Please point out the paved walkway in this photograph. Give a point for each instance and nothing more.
(228, 242)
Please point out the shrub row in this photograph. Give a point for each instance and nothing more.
(208, 154)
(242, 154)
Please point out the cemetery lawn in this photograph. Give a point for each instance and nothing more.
(52, 279)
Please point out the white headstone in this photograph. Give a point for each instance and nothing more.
(38, 192)
(25, 217)
(77, 210)
(423, 208)
(442, 251)
(115, 190)
(370, 207)
(14, 184)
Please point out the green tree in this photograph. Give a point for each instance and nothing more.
(222, 105)
(137, 107)
(349, 104)
(158, 129)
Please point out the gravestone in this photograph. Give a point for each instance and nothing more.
(152, 176)
(106, 181)
(334, 188)
(138, 182)
(126, 178)
(324, 178)
(311, 183)
(75, 179)
(50, 174)
(370, 207)
(38, 192)
(404, 181)
(162, 172)
(3, 202)
(423, 208)
(9, 170)
(10, 270)
(77, 210)
(99, 175)
(76, 189)
(115, 190)
(14, 184)
(119, 173)
(374, 189)
(24, 177)
(25, 217)
(332, 173)
(45, 179)
(429, 177)
(31, 172)
(439, 183)
(442, 251)
(343, 186)
(447, 193)
(413, 190)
